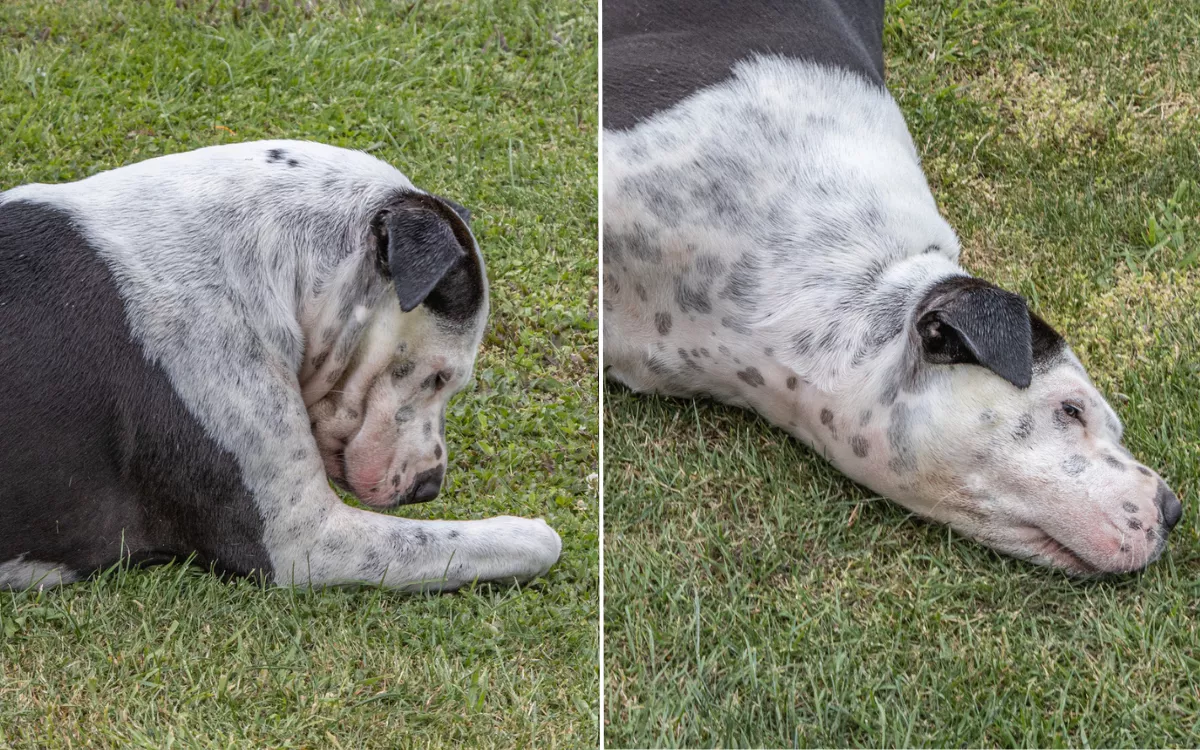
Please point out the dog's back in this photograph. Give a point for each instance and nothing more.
(657, 53)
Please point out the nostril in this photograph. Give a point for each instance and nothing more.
(427, 485)
(1169, 504)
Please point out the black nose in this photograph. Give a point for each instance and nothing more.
(427, 485)
(1169, 504)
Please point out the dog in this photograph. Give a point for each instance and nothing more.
(193, 346)
(770, 241)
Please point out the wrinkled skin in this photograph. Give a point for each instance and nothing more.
(381, 426)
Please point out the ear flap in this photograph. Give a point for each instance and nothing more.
(964, 320)
(421, 246)
(463, 212)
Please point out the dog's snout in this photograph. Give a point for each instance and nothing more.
(1169, 504)
(427, 485)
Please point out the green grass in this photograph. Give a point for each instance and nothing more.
(755, 597)
(492, 103)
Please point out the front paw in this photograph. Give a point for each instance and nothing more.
(524, 548)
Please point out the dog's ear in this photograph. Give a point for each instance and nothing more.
(963, 320)
(463, 212)
(420, 240)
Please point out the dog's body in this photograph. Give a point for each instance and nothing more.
(770, 241)
(192, 346)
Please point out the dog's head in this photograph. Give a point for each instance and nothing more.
(995, 428)
(394, 338)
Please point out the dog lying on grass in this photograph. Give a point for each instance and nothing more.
(770, 241)
(191, 347)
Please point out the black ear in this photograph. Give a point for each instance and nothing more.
(463, 212)
(419, 244)
(963, 320)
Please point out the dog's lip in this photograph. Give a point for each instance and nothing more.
(1060, 554)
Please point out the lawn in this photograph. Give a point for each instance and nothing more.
(491, 103)
(755, 597)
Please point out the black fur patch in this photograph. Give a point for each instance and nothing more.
(656, 54)
(97, 451)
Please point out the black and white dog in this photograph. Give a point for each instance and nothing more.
(770, 240)
(192, 346)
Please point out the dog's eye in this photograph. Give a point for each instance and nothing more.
(1073, 410)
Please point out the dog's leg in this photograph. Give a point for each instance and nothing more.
(355, 546)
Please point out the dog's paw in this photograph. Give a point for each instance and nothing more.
(521, 548)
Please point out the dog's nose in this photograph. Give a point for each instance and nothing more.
(1169, 504)
(427, 485)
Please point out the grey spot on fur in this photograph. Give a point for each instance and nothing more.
(691, 363)
(751, 377)
(404, 414)
(1075, 465)
(662, 321)
(899, 434)
(1145, 471)
(690, 297)
(987, 416)
(741, 287)
(826, 417)
(641, 292)
(734, 325)
(860, 446)
(1129, 507)
(791, 382)
(403, 369)
(427, 429)
(657, 366)
(1024, 426)
(802, 343)
(890, 393)
(769, 352)
(320, 360)
(1134, 524)
(1114, 462)
(864, 419)
(437, 451)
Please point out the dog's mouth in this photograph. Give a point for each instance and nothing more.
(1043, 547)
(1058, 554)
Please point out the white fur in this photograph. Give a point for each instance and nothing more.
(27, 574)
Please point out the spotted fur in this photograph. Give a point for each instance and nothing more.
(781, 216)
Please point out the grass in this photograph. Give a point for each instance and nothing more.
(492, 103)
(755, 597)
